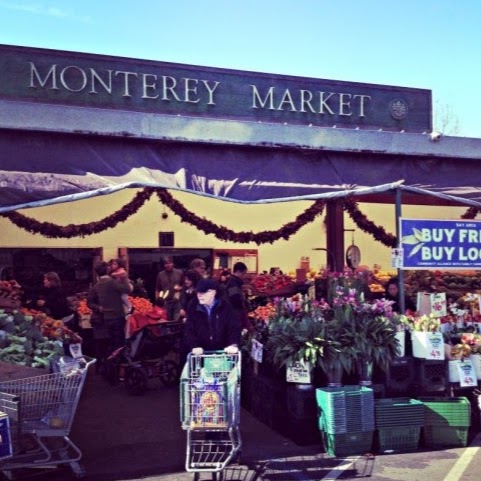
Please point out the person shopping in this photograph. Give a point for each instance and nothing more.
(211, 322)
(53, 300)
(105, 300)
(392, 294)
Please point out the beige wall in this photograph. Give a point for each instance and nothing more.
(141, 229)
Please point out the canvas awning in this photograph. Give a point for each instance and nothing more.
(241, 162)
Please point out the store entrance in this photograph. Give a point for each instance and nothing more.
(145, 264)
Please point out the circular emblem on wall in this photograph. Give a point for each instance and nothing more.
(399, 109)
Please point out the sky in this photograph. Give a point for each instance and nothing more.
(427, 44)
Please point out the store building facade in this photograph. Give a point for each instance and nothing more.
(84, 128)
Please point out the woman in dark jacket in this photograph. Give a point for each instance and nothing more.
(392, 294)
(188, 293)
(53, 300)
(211, 324)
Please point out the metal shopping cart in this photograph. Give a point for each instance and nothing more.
(42, 420)
(210, 411)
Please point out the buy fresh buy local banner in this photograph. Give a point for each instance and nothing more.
(440, 244)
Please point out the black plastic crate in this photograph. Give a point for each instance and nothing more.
(430, 376)
(268, 401)
(303, 432)
(399, 378)
(301, 402)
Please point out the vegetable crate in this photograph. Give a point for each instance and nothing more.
(398, 423)
(447, 421)
(430, 376)
(346, 419)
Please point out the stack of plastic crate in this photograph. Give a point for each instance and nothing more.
(430, 377)
(399, 422)
(346, 419)
(446, 421)
(301, 419)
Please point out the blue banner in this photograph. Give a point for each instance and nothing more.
(440, 244)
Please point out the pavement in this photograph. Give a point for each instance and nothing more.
(129, 438)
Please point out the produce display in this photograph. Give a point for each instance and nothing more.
(140, 305)
(270, 283)
(24, 342)
(83, 309)
(10, 294)
(456, 282)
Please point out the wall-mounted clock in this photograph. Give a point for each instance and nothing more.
(353, 256)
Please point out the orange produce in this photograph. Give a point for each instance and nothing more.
(140, 305)
(83, 309)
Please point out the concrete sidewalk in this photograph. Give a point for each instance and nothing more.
(130, 438)
(124, 437)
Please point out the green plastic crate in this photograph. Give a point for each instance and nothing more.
(347, 444)
(445, 436)
(446, 411)
(346, 409)
(399, 438)
(399, 412)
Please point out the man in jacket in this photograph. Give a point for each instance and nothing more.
(105, 300)
(235, 293)
(211, 324)
(168, 285)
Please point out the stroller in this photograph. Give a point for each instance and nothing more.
(150, 351)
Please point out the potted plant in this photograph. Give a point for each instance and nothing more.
(337, 335)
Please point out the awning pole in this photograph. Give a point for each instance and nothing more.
(400, 272)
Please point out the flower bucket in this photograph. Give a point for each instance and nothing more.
(401, 337)
(428, 345)
(453, 371)
(365, 370)
(334, 375)
(476, 360)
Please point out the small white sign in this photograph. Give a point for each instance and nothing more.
(435, 346)
(397, 256)
(467, 376)
(76, 350)
(299, 372)
(257, 350)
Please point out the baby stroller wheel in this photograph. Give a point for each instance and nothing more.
(169, 373)
(136, 380)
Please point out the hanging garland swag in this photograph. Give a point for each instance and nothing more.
(48, 229)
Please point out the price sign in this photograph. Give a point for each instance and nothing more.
(299, 371)
(397, 258)
(467, 376)
(435, 346)
(257, 350)
(76, 350)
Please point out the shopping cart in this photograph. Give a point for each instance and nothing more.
(43, 409)
(210, 411)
